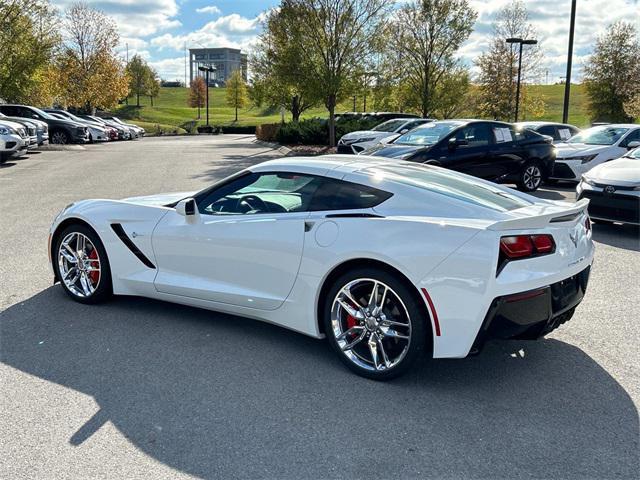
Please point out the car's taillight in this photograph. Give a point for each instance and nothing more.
(522, 246)
(516, 247)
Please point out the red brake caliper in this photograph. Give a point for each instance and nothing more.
(94, 275)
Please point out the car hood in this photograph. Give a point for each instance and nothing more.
(394, 151)
(565, 150)
(159, 199)
(11, 123)
(625, 170)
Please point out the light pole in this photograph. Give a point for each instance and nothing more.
(567, 85)
(207, 69)
(521, 42)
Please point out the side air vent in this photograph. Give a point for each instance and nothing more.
(119, 231)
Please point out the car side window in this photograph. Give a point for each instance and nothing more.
(334, 194)
(278, 192)
(9, 110)
(549, 130)
(634, 136)
(476, 135)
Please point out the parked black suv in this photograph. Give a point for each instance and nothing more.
(491, 150)
(60, 131)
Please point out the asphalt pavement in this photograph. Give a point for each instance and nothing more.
(136, 388)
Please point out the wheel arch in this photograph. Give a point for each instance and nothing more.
(370, 263)
(56, 235)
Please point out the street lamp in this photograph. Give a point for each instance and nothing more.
(567, 85)
(521, 42)
(207, 69)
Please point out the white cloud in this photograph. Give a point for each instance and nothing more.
(170, 68)
(136, 18)
(233, 31)
(212, 9)
(551, 18)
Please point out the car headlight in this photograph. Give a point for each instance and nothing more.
(365, 139)
(7, 131)
(588, 181)
(582, 158)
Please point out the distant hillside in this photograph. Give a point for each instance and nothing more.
(170, 109)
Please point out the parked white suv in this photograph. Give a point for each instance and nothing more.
(13, 139)
(592, 147)
(356, 142)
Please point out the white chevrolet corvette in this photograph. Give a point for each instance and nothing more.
(387, 259)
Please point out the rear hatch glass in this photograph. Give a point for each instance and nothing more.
(451, 184)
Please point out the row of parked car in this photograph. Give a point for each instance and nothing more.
(24, 128)
(603, 159)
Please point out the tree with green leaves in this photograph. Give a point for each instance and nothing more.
(137, 71)
(423, 37)
(612, 74)
(278, 69)
(334, 39)
(236, 91)
(498, 67)
(29, 38)
(153, 84)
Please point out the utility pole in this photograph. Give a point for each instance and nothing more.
(567, 84)
(126, 100)
(185, 64)
(521, 42)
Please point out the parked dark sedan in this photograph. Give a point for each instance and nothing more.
(491, 150)
(60, 131)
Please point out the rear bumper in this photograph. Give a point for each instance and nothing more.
(530, 315)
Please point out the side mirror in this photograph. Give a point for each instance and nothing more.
(456, 142)
(633, 144)
(404, 130)
(186, 207)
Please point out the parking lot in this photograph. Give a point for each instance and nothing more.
(137, 388)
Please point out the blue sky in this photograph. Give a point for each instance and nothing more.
(158, 29)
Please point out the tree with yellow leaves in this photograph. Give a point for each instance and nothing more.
(91, 75)
(236, 91)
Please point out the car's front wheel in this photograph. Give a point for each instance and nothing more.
(374, 323)
(60, 138)
(530, 177)
(82, 265)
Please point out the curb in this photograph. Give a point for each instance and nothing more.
(275, 146)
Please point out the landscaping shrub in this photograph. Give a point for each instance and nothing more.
(249, 130)
(315, 131)
(267, 132)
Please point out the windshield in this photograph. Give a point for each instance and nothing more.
(73, 117)
(427, 134)
(42, 113)
(603, 135)
(389, 126)
(635, 153)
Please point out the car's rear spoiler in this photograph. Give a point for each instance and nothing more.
(542, 217)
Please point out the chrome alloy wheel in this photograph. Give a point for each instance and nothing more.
(371, 324)
(79, 264)
(532, 177)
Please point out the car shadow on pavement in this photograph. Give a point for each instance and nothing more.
(214, 395)
(619, 236)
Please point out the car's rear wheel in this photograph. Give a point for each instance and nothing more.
(60, 138)
(530, 177)
(374, 323)
(82, 265)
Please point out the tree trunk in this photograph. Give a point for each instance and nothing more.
(236, 113)
(295, 108)
(331, 106)
(151, 98)
(138, 100)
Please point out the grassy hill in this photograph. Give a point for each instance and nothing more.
(170, 110)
